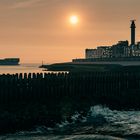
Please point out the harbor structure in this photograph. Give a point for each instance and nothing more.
(133, 27)
(118, 51)
(121, 49)
(132, 45)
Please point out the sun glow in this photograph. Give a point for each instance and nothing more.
(74, 20)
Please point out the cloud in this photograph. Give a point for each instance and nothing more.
(30, 3)
(25, 4)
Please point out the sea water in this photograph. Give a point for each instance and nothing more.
(101, 123)
(22, 68)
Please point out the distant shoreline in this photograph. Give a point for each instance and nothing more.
(92, 67)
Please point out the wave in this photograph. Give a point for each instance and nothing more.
(98, 121)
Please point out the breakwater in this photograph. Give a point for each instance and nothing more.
(107, 87)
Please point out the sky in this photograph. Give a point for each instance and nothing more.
(39, 30)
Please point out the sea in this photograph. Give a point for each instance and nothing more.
(22, 68)
(101, 123)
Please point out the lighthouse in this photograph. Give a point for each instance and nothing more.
(133, 27)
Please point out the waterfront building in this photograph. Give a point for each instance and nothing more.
(100, 52)
(91, 53)
(117, 52)
(120, 50)
(136, 50)
(103, 51)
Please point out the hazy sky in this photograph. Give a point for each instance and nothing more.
(37, 30)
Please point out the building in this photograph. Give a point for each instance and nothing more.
(133, 27)
(135, 50)
(103, 52)
(91, 53)
(119, 51)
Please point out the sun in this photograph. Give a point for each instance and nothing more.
(74, 20)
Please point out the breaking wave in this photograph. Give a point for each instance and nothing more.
(102, 120)
(99, 121)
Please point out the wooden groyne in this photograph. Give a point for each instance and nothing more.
(104, 86)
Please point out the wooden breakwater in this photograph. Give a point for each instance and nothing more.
(104, 86)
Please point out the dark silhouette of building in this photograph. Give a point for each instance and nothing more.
(121, 49)
(133, 27)
(132, 45)
(118, 51)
